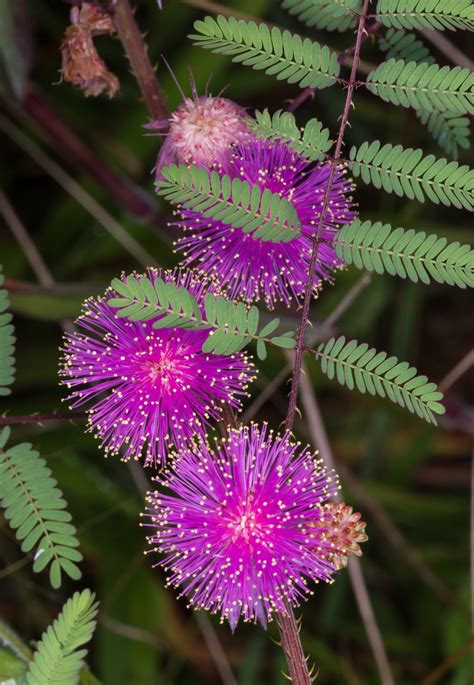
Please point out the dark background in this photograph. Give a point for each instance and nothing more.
(417, 477)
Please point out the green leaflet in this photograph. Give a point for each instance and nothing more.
(357, 366)
(423, 86)
(231, 325)
(399, 44)
(405, 171)
(7, 342)
(279, 53)
(265, 215)
(430, 14)
(58, 659)
(406, 253)
(332, 15)
(312, 141)
(36, 510)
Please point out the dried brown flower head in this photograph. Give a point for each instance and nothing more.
(81, 64)
(343, 529)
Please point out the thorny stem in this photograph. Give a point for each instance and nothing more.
(68, 144)
(290, 639)
(290, 418)
(342, 58)
(41, 418)
(137, 53)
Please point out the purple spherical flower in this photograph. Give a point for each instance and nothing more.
(250, 268)
(148, 388)
(243, 529)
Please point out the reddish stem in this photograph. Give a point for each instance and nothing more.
(299, 352)
(307, 92)
(137, 53)
(123, 191)
(41, 418)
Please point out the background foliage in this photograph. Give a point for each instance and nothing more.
(415, 474)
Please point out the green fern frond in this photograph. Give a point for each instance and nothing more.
(405, 171)
(231, 325)
(405, 253)
(356, 365)
(312, 141)
(36, 510)
(265, 215)
(278, 53)
(429, 14)
(332, 15)
(450, 131)
(399, 44)
(7, 342)
(58, 659)
(423, 86)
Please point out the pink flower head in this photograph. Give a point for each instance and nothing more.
(148, 388)
(250, 268)
(201, 131)
(242, 529)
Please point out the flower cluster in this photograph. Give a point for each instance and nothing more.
(246, 527)
(148, 388)
(243, 529)
(252, 269)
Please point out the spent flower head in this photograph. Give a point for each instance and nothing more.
(146, 388)
(242, 528)
(81, 64)
(250, 268)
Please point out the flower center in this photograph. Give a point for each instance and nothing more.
(162, 369)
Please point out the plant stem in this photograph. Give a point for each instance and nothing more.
(137, 53)
(343, 58)
(290, 638)
(299, 352)
(293, 649)
(41, 418)
(67, 143)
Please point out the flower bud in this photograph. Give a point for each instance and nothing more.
(201, 132)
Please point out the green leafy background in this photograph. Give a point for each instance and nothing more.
(417, 474)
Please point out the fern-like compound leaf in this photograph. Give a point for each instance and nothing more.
(279, 53)
(356, 365)
(312, 142)
(235, 202)
(399, 44)
(7, 342)
(450, 130)
(36, 510)
(58, 657)
(406, 172)
(332, 15)
(406, 253)
(423, 86)
(231, 325)
(429, 14)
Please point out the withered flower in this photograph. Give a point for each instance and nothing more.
(81, 64)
